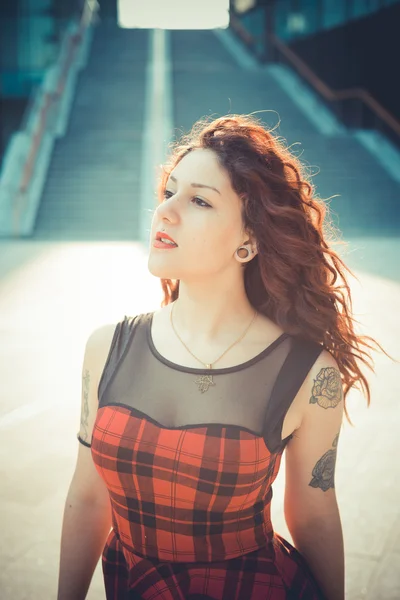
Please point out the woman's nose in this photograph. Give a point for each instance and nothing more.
(169, 208)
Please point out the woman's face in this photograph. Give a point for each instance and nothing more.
(202, 214)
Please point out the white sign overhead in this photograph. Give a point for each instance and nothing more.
(173, 14)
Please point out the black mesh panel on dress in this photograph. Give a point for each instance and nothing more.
(255, 395)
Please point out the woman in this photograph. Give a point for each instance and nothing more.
(188, 409)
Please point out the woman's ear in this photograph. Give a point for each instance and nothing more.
(251, 241)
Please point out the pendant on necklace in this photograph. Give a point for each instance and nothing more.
(204, 381)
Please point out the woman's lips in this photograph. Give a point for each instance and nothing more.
(163, 245)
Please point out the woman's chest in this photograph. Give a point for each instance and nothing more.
(136, 456)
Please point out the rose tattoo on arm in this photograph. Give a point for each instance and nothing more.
(323, 475)
(327, 391)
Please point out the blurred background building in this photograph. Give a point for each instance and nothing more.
(74, 85)
(30, 37)
(346, 43)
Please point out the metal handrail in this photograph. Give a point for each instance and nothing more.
(320, 86)
(52, 97)
(48, 101)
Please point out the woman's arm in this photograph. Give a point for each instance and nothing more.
(86, 526)
(311, 509)
(87, 512)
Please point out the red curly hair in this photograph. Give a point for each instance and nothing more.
(295, 278)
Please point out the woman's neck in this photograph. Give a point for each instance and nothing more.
(207, 321)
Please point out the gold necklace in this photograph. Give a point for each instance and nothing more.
(204, 381)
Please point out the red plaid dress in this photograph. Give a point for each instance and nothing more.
(191, 502)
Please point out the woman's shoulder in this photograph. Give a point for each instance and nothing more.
(99, 342)
(101, 337)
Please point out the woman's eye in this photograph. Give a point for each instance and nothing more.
(168, 194)
(205, 205)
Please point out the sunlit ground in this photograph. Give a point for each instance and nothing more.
(173, 14)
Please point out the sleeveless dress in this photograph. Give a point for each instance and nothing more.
(189, 466)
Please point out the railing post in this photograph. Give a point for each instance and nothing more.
(269, 29)
(320, 15)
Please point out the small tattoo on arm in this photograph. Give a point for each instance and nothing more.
(327, 391)
(85, 406)
(324, 471)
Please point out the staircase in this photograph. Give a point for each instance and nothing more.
(207, 81)
(93, 186)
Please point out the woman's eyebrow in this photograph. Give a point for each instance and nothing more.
(199, 185)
